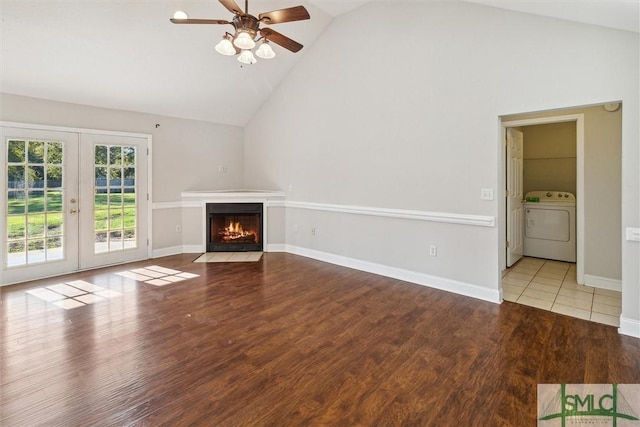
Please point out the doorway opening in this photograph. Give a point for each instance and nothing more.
(515, 189)
(74, 199)
(598, 191)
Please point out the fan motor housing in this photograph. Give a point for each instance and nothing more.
(248, 23)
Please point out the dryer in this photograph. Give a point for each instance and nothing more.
(550, 225)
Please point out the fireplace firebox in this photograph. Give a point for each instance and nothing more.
(234, 227)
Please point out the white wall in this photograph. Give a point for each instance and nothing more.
(384, 114)
(186, 155)
(550, 157)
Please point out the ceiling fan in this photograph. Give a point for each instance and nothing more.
(247, 27)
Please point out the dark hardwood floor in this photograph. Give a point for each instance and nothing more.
(289, 341)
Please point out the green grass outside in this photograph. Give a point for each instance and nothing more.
(112, 211)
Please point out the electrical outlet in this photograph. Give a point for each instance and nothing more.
(222, 169)
(178, 229)
(313, 231)
(433, 250)
(290, 188)
(295, 228)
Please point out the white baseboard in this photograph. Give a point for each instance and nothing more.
(176, 250)
(467, 289)
(603, 282)
(276, 247)
(193, 249)
(629, 327)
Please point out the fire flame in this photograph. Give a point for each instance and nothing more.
(235, 232)
(234, 228)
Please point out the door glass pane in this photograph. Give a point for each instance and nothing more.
(115, 155)
(16, 254)
(36, 152)
(16, 151)
(54, 224)
(36, 252)
(54, 249)
(17, 228)
(15, 176)
(54, 152)
(54, 176)
(100, 157)
(35, 176)
(54, 201)
(114, 198)
(36, 202)
(35, 226)
(16, 202)
(34, 195)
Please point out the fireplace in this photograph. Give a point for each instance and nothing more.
(234, 227)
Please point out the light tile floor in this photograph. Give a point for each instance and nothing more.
(229, 257)
(551, 285)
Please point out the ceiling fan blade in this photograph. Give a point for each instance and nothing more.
(298, 13)
(199, 21)
(281, 40)
(232, 7)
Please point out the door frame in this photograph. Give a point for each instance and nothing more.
(502, 219)
(79, 131)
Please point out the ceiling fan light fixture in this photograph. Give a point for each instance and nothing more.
(244, 41)
(246, 57)
(265, 51)
(249, 30)
(180, 15)
(224, 47)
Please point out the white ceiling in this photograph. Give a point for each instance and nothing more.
(127, 55)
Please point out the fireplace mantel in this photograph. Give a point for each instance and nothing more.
(213, 196)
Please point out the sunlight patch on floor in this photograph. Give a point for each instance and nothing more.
(78, 293)
(156, 275)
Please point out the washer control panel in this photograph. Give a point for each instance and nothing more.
(550, 196)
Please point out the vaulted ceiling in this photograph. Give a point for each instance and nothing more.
(127, 55)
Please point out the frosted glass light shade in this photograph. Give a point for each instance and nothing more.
(180, 15)
(246, 57)
(225, 47)
(244, 41)
(265, 51)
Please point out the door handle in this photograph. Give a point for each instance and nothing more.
(73, 211)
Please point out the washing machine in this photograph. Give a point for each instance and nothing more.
(550, 225)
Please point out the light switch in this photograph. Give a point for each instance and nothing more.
(486, 194)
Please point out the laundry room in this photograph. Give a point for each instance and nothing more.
(549, 186)
(564, 161)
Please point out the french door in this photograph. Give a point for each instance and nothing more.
(113, 199)
(71, 201)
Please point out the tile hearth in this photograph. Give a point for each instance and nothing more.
(229, 257)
